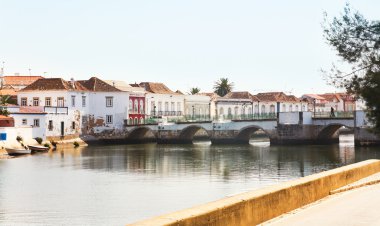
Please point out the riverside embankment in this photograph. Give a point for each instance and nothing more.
(258, 206)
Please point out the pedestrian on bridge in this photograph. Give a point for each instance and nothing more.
(332, 114)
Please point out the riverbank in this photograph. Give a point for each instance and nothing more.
(355, 204)
(258, 206)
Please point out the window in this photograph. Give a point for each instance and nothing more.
(159, 106)
(109, 101)
(47, 101)
(256, 109)
(36, 123)
(130, 106)
(178, 106)
(84, 120)
(166, 106)
(50, 126)
(136, 106)
(60, 102)
(236, 111)
(296, 107)
(221, 111)
(152, 106)
(24, 101)
(272, 109)
(141, 106)
(136, 121)
(229, 111)
(291, 108)
(24, 122)
(83, 101)
(72, 101)
(172, 106)
(263, 110)
(36, 101)
(283, 108)
(109, 119)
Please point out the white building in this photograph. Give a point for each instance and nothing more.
(273, 102)
(235, 105)
(76, 107)
(197, 107)
(162, 102)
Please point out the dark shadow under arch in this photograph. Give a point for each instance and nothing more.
(329, 131)
(141, 135)
(246, 133)
(187, 134)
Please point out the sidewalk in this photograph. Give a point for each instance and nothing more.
(354, 204)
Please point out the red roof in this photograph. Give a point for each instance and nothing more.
(19, 80)
(3, 117)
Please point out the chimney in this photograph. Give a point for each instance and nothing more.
(72, 83)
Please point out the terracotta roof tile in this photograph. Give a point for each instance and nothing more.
(155, 87)
(10, 92)
(31, 110)
(276, 97)
(45, 84)
(97, 85)
(19, 80)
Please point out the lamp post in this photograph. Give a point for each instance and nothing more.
(193, 111)
(314, 106)
(154, 111)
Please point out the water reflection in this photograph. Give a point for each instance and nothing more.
(114, 185)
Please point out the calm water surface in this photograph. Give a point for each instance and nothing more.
(115, 185)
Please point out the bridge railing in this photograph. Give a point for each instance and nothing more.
(336, 114)
(257, 116)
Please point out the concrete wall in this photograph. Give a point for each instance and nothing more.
(289, 118)
(258, 206)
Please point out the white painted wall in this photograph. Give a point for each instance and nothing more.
(289, 117)
(99, 110)
(35, 131)
(155, 98)
(199, 104)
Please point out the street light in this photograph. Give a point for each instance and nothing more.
(193, 112)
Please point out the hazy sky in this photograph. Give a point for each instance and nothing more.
(259, 45)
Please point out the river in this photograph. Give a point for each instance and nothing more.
(115, 185)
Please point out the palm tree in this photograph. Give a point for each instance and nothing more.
(223, 86)
(194, 90)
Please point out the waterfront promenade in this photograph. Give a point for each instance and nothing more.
(263, 205)
(358, 205)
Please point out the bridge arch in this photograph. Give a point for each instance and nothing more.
(187, 133)
(141, 134)
(245, 133)
(328, 133)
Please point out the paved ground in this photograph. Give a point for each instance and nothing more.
(358, 206)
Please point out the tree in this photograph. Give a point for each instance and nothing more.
(357, 42)
(194, 90)
(223, 86)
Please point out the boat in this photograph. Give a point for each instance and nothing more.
(18, 151)
(38, 148)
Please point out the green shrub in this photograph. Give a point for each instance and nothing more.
(19, 138)
(39, 140)
(47, 145)
(76, 144)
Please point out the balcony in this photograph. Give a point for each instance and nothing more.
(56, 110)
(165, 113)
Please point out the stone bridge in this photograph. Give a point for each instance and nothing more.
(286, 128)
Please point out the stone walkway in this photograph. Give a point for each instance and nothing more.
(355, 204)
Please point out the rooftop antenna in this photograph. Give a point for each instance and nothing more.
(2, 68)
(30, 72)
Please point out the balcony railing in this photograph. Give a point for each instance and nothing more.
(56, 110)
(336, 114)
(165, 113)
